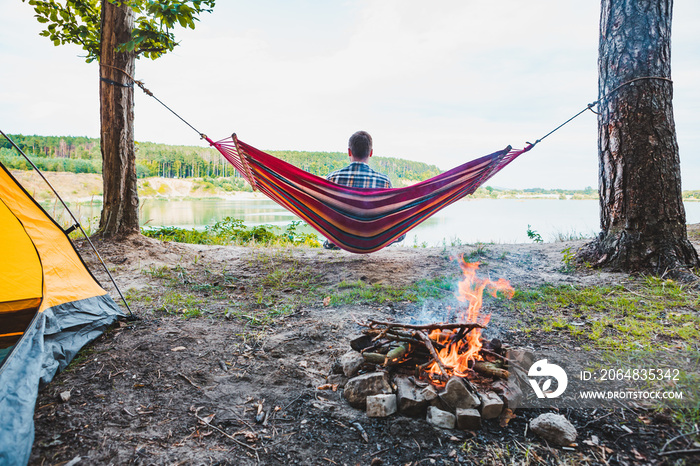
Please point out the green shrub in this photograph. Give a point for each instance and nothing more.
(233, 231)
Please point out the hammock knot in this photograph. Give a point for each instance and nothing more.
(143, 88)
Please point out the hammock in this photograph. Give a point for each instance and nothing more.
(358, 220)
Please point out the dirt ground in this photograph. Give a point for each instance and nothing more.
(214, 346)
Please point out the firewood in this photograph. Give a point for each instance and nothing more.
(437, 326)
(386, 333)
(429, 344)
(490, 369)
(392, 357)
(374, 358)
(397, 354)
(361, 342)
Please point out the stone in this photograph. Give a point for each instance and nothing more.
(554, 428)
(510, 392)
(359, 388)
(381, 405)
(412, 400)
(336, 368)
(351, 363)
(439, 404)
(522, 356)
(440, 418)
(491, 405)
(457, 395)
(468, 419)
(337, 379)
(429, 393)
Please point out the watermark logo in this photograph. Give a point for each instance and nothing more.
(541, 369)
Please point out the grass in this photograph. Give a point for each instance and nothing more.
(643, 322)
(640, 314)
(261, 318)
(480, 251)
(647, 314)
(231, 231)
(182, 305)
(359, 292)
(279, 285)
(571, 235)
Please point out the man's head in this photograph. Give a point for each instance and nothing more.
(360, 146)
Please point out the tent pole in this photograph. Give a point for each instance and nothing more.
(75, 221)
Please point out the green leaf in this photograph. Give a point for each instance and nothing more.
(79, 22)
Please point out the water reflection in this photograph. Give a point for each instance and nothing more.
(199, 213)
(466, 221)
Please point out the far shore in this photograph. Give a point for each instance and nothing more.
(84, 188)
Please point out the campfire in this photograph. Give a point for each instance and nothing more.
(447, 369)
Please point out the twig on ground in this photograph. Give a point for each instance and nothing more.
(208, 424)
(677, 437)
(292, 402)
(597, 419)
(680, 452)
(189, 380)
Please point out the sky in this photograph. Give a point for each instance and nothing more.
(438, 82)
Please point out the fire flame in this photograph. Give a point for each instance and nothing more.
(459, 351)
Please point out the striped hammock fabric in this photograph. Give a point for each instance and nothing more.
(358, 220)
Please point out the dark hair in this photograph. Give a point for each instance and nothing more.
(360, 145)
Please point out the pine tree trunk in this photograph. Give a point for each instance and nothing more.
(120, 208)
(642, 214)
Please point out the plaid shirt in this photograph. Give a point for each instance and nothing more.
(360, 175)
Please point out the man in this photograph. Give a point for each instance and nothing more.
(358, 174)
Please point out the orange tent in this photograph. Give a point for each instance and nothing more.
(50, 306)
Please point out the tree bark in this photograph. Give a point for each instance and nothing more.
(641, 208)
(120, 208)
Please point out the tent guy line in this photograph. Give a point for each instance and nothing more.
(76, 224)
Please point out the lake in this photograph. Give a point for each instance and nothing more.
(466, 221)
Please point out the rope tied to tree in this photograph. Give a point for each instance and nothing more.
(143, 87)
(593, 104)
(115, 83)
(661, 78)
(588, 107)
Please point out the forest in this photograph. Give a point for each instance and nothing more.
(82, 155)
